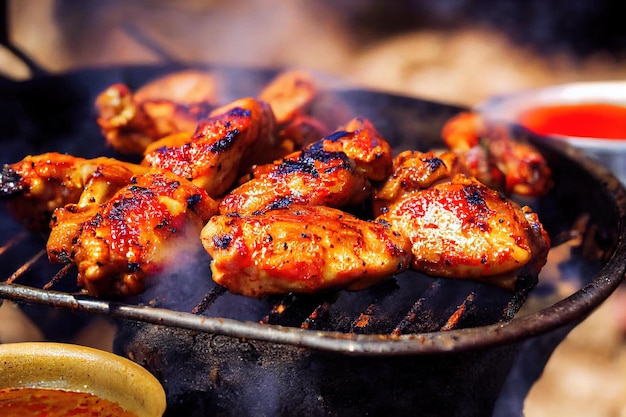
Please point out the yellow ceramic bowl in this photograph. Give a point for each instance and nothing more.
(82, 369)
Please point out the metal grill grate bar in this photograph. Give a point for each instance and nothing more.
(413, 313)
(453, 321)
(58, 276)
(278, 309)
(209, 299)
(319, 313)
(13, 241)
(26, 266)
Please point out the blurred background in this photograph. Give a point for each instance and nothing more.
(454, 51)
(459, 51)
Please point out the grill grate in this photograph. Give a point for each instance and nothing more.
(208, 299)
(55, 113)
(405, 305)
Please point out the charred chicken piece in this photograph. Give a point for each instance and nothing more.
(301, 249)
(35, 186)
(364, 145)
(178, 102)
(335, 172)
(211, 157)
(135, 234)
(463, 229)
(289, 94)
(413, 171)
(300, 132)
(494, 157)
(268, 145)
(171, 104)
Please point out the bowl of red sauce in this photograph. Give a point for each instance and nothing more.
(49, 379)
(588, 115)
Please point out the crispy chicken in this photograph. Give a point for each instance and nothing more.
(35, 186)
(211, 157)
(495, 158)
(136, 233)
(364, 145)
(463, 229)
(281, 228)
(289, 94)
(171, 104)
(300, 132)
(412, 171)
(335, 171)
(301, 249)
(178, 102)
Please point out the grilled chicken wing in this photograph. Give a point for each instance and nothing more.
(37, 185)
(300, 132)
(463, 229)
(313, 177)
(301, 249)
(211, 157)
(364, 145)
(136, 233)
(178, 102)
(412, 171)
(501, 162)
(289, 94)
(171, 104)
(335, 171)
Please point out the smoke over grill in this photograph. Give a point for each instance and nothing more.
(443, 347)
(412, 344)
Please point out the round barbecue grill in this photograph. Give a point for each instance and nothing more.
(438, 346)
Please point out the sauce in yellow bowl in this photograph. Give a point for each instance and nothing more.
(61, 379)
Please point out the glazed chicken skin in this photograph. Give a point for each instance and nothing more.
(364, 145)
(463, 229)
(301, 249)
(501, 162)
(312, 177)
(300, 132)
(35, 186)
(413, 171)
(289, 94)
(178, 102)
(211, 158)
(170, 104)
(135, 234)
(336, 171)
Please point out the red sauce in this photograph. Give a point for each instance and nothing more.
(593, 120)
(20, 402)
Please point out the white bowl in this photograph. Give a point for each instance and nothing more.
(510, 107)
